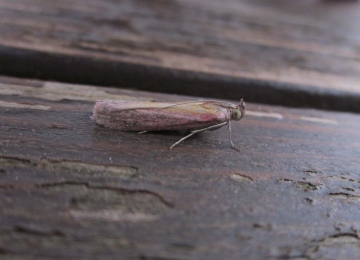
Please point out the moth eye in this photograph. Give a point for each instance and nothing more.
(235, 114)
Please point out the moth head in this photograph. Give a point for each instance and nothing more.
(238, 112)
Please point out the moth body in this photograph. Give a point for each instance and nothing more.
(151, 116)
(196, 116)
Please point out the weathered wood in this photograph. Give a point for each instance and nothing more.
(71, 189)
(279, 52)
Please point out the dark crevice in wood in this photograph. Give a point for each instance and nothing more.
(4, 251)
(38, 231)
(143, 257)
(343, 194)
(81, 70)
(345, 235)
(106, 187)
(307, 186)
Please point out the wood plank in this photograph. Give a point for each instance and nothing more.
(277, 52)
(71, 189)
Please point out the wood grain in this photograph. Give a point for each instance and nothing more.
(277, 52)
(71, 189)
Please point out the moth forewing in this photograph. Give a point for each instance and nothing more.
(156, 116)
(196, 116)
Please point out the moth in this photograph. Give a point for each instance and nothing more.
(196, 116)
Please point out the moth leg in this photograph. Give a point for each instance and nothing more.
(198, 131)
(142, 132)
(232, 144)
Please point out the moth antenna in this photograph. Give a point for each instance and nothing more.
(220, 103)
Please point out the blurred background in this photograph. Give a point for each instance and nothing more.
(293, 53)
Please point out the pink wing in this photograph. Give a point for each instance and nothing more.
(155, 116)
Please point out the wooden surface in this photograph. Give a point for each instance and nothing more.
(296, 53)
(71, 189)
